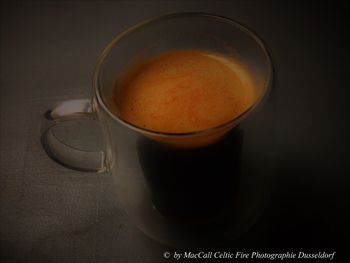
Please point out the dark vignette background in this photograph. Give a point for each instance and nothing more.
(48, 51)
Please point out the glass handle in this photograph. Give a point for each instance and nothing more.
(79, 109)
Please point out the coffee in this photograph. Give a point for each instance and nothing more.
(183, 91)
(194, 185)
(186, 91)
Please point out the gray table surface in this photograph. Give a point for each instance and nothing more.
(48, 51)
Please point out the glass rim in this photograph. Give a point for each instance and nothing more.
(156, 19)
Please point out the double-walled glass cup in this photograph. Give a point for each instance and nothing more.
(176, 187)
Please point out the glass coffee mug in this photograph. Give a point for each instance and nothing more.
(179, 188)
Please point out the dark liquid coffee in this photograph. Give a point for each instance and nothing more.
(192, 184)
(183, 91)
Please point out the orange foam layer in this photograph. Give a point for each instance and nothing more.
(184, 91)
